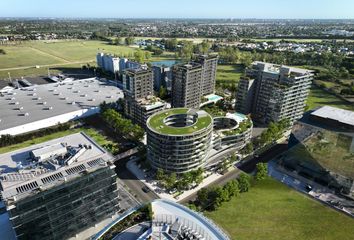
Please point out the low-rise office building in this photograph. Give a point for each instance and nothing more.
(56, 189)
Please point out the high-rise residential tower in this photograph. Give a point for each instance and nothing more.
(209, 64)
(273, 92)
(139, 102)
(187, 85)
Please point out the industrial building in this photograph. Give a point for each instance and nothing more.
(321, 148)
(273, 92)
(139, 101)
(56, 189)
(32, 108)
(187, 85)
(209, 64)
(182, 139)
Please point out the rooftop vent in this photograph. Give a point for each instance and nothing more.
(27, 187)
(52, 178)
(75, 170)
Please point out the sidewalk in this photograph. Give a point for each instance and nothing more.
(132, 167)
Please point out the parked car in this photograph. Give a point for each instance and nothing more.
(146, 189)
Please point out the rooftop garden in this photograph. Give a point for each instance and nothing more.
(215, 110)
(242, 127)
(156, 122)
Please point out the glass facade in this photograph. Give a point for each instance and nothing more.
(67, 209)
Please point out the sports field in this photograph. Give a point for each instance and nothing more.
(271, 210)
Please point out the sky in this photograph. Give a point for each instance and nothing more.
(305, 9)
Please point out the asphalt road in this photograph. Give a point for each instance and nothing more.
(247, 166)
(134, 184)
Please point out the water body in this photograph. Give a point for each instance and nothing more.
(166, 63)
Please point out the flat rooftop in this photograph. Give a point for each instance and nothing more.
(20, 175)
(336, 114)
(31, 104)
(276, 69)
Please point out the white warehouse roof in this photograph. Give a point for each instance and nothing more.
(337, 114)
(35, 103)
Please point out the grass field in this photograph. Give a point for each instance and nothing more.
(227, 74)
(53, 54)
(319, 97)
(94, 134)
(271, 210)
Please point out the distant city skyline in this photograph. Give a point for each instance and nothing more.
(266, 9)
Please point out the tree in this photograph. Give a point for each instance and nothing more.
(232, 188)
(162, 92)
(247, 149)
(186, 52)
(204, 47)
(129, 41)
(139, 56)
(202, 197)
(160, 174)
(117, 41)
(171, 180)
(244, 182)
(261, 171)
(171, 44)
(217, 196)
(246, 59)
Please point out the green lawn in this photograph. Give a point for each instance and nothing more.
(157, 123)
(94, 134)
(229, 74)
(319, 97)
(56, 53)
(271, 210)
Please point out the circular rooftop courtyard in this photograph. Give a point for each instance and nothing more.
(179, 121)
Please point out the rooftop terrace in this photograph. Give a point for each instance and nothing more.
(158, 121)
(21, 172)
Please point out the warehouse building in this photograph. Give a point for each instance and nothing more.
(32, 108)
